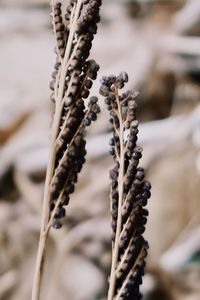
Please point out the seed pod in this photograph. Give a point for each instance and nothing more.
(69, 91)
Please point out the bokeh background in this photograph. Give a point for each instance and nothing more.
(158, 44)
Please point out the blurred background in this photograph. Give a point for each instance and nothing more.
(158, 44)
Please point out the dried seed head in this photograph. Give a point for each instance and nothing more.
(71, 84)
(129, 191)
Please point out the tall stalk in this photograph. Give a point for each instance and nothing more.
(72, 79)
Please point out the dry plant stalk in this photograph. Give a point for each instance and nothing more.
(72, 79)
(129, 192)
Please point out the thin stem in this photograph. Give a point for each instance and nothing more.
(45, 216)
(115, 254)
(51, 165)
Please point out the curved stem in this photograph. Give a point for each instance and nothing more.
(45, 215)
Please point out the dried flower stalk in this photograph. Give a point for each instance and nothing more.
(71, 82)
(128, 192)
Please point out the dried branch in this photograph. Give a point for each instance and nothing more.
(72, 80)
(128, 193)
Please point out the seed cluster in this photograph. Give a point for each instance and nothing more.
(74, 34)
(129, 191)
(59, 28)
(87, 22)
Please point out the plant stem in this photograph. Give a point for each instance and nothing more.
(44, 232)
(115, 254)
(45, 215)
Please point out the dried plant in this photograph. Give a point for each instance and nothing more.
(128, 192)
(72, 79)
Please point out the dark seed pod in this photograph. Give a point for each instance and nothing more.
(56, 224)
(70, 86)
